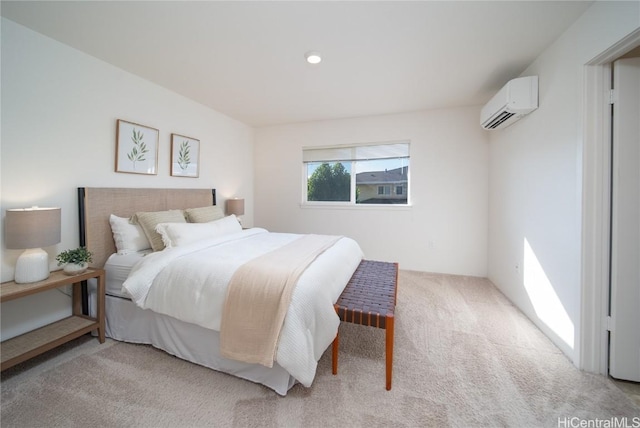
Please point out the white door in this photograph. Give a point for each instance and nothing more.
(624, 351)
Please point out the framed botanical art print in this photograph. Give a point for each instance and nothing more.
(136, 148)
(185, 154)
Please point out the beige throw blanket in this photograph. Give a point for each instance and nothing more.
(258, 298)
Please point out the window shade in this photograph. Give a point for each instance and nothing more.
(355, 153)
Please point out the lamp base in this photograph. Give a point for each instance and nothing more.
(32, 266)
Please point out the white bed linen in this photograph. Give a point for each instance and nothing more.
(117, 269)
(173, 282)
(128, 323)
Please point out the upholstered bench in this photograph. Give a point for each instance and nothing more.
(370, 299)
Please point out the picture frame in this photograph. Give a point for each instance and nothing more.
(136, 148)
(185, 156)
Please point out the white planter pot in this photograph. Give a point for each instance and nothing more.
(75, 269)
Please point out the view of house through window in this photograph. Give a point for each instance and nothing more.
(362, 174)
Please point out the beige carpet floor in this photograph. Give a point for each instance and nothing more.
(464, 357)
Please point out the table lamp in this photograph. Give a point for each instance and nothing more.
(235, 206)
(29, 229)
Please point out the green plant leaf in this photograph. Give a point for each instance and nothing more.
(78, 255)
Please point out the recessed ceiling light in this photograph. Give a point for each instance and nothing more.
(313, 57)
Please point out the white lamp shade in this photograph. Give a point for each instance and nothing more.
(30, 229)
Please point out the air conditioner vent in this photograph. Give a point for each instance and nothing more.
(499, 120)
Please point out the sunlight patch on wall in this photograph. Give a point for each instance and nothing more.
(545, 301)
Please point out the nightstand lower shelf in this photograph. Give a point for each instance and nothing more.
(18, 349)
(28, 345)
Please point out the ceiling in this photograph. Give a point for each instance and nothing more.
(246, 59)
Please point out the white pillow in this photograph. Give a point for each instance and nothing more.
(176, 234)
(129, 237)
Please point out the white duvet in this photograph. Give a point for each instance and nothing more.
(190, 282)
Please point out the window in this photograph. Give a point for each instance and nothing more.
(361, 174)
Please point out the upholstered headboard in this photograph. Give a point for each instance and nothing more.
(97, 203)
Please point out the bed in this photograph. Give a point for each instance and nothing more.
(154, 297)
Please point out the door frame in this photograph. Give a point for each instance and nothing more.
(596, 207)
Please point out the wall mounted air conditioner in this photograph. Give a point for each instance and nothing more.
(516, 99)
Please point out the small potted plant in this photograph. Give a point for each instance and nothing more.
(75, 261)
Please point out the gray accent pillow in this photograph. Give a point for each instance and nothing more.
(204, 214)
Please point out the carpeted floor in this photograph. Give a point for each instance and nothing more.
(464, 356)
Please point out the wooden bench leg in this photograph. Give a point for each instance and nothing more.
(334, 354)
(389, 349)
(369, 299)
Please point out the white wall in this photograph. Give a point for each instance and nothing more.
(449, 188)
(536, 181)
(59, 112)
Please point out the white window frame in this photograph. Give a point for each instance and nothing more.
(331, 154)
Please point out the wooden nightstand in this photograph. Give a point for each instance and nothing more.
(28, 345)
